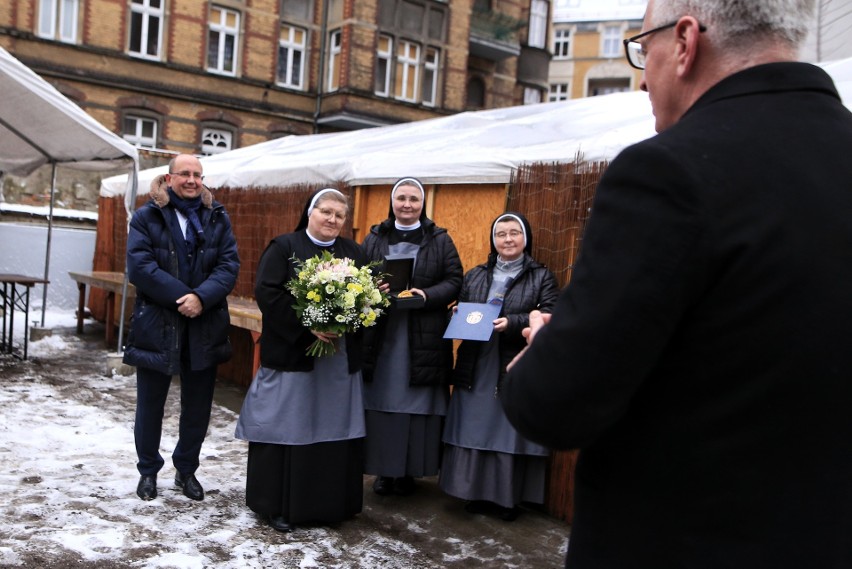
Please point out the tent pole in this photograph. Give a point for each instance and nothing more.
(49, 237)
(130, 209)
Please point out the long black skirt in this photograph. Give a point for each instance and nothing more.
(319, 483)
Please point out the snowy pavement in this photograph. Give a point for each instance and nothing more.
(68, 482)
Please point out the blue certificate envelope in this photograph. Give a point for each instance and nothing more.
(473, 321)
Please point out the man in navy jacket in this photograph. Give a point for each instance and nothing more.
(182, 259)
(701, 356)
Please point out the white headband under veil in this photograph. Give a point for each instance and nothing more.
(317, 196)
(409, 182)
(509, 217)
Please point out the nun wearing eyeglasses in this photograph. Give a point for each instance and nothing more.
(304, 416)
(486, 461)
(407, 362)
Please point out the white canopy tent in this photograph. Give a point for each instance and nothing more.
(39, 125)
(841, 72)
(471, 147)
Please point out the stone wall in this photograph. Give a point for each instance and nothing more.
(75, 189)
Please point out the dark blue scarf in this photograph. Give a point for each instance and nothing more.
(189, 209)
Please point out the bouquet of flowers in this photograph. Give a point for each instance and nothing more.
(333, 295)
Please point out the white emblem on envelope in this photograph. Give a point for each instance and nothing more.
(474, 317)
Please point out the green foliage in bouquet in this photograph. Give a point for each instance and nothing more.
(333, 295)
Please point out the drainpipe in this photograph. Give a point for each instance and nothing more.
(321, 78)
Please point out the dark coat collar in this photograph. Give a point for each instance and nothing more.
(768, 78)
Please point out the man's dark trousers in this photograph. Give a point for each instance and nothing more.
(196, 399)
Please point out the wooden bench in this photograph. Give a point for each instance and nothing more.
(110, 282)
(244, 311)
(246, 315)
(12, 300)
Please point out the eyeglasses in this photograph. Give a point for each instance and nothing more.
(636, 51)
(331, 214)
(514, 234)
(188, 174)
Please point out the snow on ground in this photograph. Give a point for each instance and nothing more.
(69, 478)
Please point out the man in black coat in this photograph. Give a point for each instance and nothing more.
(182, 259)
(700, 357)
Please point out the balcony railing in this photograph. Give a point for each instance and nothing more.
(494, 35)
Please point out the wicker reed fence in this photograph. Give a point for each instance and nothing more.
(257, 215)
(557, 201)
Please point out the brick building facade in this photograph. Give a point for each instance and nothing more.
(203, 76)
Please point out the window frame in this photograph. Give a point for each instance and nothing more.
(537, 31)
(562, 39)
(334, 56)
(59, 18)
(407, 65)
(611, 37)
(409, 68)
(479, 103)
(607, 85)
(385, 56)
(431, 67)
(558, 92)
(291, 16)
(146, 13)
(136, 139)
(225, 31)
(532, 96)
(292, 48)
(218, 129)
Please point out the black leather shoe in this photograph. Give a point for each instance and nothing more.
(509, 514)
(477, 507)
(147, 487)
(383, 485)
(279, 523)
(191, 487)
(404, 486)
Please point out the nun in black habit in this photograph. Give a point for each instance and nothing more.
(486, 461)
(407, 361)
(304, 416)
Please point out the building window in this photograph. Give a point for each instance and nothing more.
(558, 92)
(140, 131)
(384, 55)
(299, 10)
(531, 96)
(215, 140)
(611, 41)
(291, 56)
(538, 24)
(222, 40)
(608, 85)
(475, 93)
(408, 55)
(57, 19)
(334, 44)
(146, 28)
(407, 71)
(430, 76)
(561, 44)
(418, 19)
